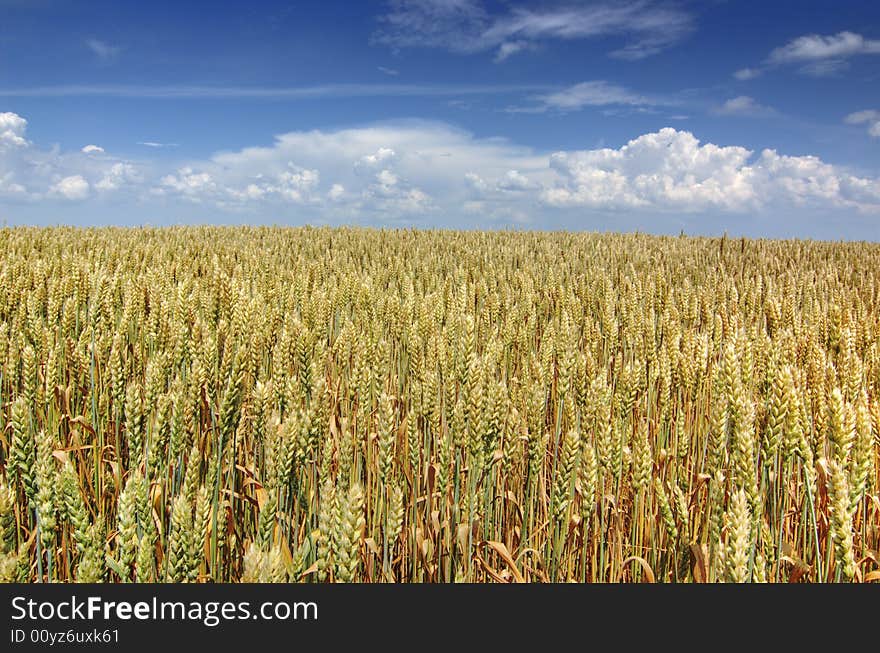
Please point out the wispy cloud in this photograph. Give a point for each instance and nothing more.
(459, 104)
(814, 47)
(597, 93)
(816, 54)
(467, 26)
(510, 48)
(743, 105)
(869, 117)
(102, 49)
(157, 145)
(264, 92)
(391, 72)
(744, 74)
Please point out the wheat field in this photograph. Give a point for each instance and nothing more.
(239, 404)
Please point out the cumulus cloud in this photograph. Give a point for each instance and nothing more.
(671, 170)
(31, 173)
(382, 155)
(432, 173)
(192, 185)
(390, 171)
(296, 184)
(336, 192)
(514, 180)
(467, 26)
(816, 54)
(72, 188)
(869, 117)
(387, 179)
(12, 128)
(118, 175)
(476, 182)
(409, 169)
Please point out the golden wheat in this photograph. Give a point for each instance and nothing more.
(272, 404)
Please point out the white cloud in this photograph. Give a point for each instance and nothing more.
(416, 167)
(119, 175)
(510, 48)
(670, 170)
(12, 128)
(157, 145)
(188, 183)
(743, 105)
(595, 93)
(386, 178)
(476, 182)
(102, 49)
(72, 188)
(452, 24)
(816, 54)
(296, 184)
(466, 26)
(392, 171)
(859, 117)
(432, 173)
(870, 117)
(744, 74)
(9, 188)
(814, 46)
(336, 192)
(287, 184)
(391, 72)
(30, 173)
(514, 180)
(382, 155)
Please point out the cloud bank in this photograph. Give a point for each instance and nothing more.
(429, 173)
(671, 170)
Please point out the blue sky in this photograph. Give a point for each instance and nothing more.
(756, 118)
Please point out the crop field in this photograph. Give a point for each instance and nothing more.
(208, 404)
